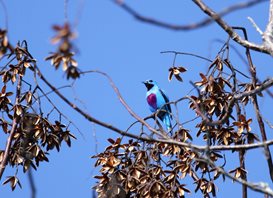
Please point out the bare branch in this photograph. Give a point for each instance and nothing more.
(192, 26)
(238, 112)
(255, 25)
(13, 129)
(32, 183)
(188, 54)
(233, 35)
(252, 70)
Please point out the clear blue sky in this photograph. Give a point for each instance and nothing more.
(129, 51)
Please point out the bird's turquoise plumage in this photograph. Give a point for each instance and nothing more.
(157, 100)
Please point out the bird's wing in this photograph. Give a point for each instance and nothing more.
(168, 106)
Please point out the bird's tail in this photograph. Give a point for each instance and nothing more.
(167, 122)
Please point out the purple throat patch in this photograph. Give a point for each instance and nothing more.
(151, 99)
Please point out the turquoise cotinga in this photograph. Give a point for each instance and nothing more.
(157, 100)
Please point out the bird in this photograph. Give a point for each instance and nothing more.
(158, 100)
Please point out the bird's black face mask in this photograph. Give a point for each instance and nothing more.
(148, 85)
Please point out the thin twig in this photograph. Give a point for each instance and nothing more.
(255, 25)
(57, 109)
(188, 54)
(238, 111)
(32, 183)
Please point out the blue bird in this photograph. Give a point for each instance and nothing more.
(157, 100)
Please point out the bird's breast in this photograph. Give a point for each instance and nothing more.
(151, 99)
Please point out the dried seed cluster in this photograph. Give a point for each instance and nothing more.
(128, 169)
(30, 133)
(64, 55)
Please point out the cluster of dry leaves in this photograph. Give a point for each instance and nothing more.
(64, 54)
(28, 127)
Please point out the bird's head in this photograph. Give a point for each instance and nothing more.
(149, 84)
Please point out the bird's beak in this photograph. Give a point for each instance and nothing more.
(145, 83)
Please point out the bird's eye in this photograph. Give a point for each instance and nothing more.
(150, 81)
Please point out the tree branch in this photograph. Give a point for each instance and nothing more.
(252, 70)
(13, 129)
(233, 35)
(32, 183)
(266, 47)
(192, 26)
